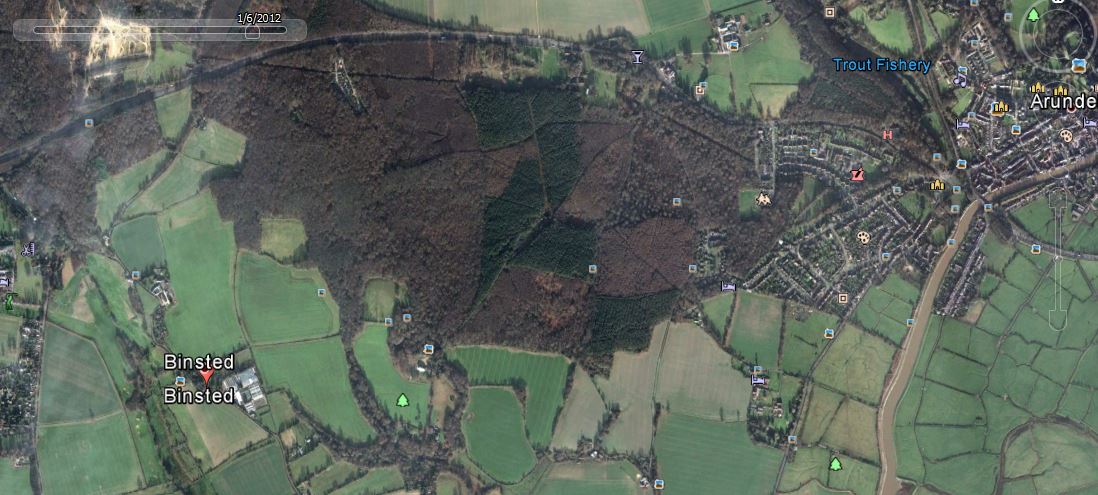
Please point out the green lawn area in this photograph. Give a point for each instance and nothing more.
(767, 70)
(317, 374)
(701, 456)
(746, 203)
(664, 14)
(97, 457)
(494, 434)
(264, 288)
(717, 309)
(14, 481)
(201, 251)
(386, 383)
(890, 30)
(138, 244)
(112, 192)
(757, 328)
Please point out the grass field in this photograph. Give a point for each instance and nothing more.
(631, 388)
(543, 377)
(380, 298)
(856, 364)
(386, 383)
(28, 281)
(316, 372)
(803, 337)
(168, 61)
(700, 456)
(201, 251)
(886, 308)
(336, 475)
(14, 481)
(810, 467)
(75, 382)
(663, 14)
(494, 434)
(260, 471)
(115, 293)
(667, 41)
(94, 457)
(1054, 458)
(263, 289)
(768, 69)
(172, 112)
(216, 431)
(890, 31)
(309, 464)
(697, 377)
(10, 337)
(282, 238)
(562, 17)
(603, 478)
(377, 481)
(719, 91)
(756, 328)
(138, 244)
(215, 144)
(717, 309)
(152, 467)
(582, 413)
(181, 180)
(114, 191)
(853, 430)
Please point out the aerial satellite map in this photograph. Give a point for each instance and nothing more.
(548, 247)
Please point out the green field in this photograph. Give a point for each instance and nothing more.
(114, 191)
(317, 374)
(14, 481)
(803, 338)
(200, 250)
(28, 281)
(494, 434)
(1020, 8)
(377, 481)
(890, 30)
(260, 471)
(152, 467)
(602, 478)
(181, 180)
(700, 456)
(630, 389)
(564, 18)
(380, 298)
(283, 238)
(138, 244)
(718, 78)
(338, 474)
(169, 61)
(756, 328)
(75, 382)
(386, 383)
(668, 41)
(886, 308)
(856, 364)
(309, 464)
(768, 68)
(10, 337)
(264, 287)
(94, 457)
(663, 14)
(1054, 457)
(716, 310)
(114, 309)
(696, 377)
(542, 376)
(215, 144)
(216, 431)
(172, 112)
(810, 467)
(583, 411)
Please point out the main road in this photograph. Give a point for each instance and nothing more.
(889, 484)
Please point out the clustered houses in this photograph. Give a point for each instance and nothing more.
(823, 256)
(962, 281)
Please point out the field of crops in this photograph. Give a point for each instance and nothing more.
(630, 388)
(283, 238)
(114, 191)
(260, 471)
(756, 328)
(604, 478)
(201, 251)
(494, 434)
(264, 289)
(316, 373)
(75, 382)
(542, 376)
(88, 457)
(697, 377)
(386, 383)
(582, 413)
(172, 112)
(216, 431)
(701, 456)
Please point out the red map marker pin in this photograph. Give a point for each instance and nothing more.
(206, 374)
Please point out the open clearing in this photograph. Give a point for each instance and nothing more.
(582, 413)
(803, 337)
(377, 481)
(701, 456)
(810, 466)
(216, 431)
(494, 434)
(386, 383)
(14, 481)
(200, 250)
(94, 457)
(890, 30)
(260, 471)
(264, 289)
(114, 191)
(172, 112)
(316, 372)
(181, 180)
(590, 478)
(138, 244)
(716, 310)
(282, 238)
(632, 388)
(380, 298)
(756, 328)
(768, 68)
(697, 377)
(543, 377)
(215, 144)
(75, 382)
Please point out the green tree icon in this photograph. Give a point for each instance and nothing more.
(1033, 15)
(835, 464)
(402, 401)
